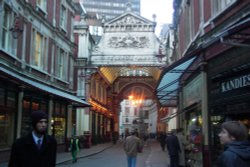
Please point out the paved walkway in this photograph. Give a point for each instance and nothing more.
(66, 156)
(157, 158)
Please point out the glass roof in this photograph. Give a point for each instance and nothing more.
(167, 90)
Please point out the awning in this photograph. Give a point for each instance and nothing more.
(45, 88)
(190, 108)
(167, 90)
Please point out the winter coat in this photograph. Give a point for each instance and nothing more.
(173, 145)
(236, 154)
(132, 145)
(25, 153)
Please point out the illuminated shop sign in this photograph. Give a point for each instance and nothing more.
(236, 83)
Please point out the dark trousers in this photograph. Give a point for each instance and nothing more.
(163, 146)
(174, 159)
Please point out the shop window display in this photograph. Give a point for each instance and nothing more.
(30, 105)
(195, 140)
(6, 117)
(59, 122)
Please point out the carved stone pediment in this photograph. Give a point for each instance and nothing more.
(128, 20)
(128, 41)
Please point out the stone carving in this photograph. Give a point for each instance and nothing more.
(129, 20)
(128, 42)
(96, 49)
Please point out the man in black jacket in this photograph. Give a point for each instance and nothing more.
(173, 148)
(36, 149)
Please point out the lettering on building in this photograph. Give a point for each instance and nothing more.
(236, 83)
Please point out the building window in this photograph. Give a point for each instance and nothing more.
(39, 50)
(126, 120)
(127, 111)
(42, 4)
(59, 122)
(219, 5)
(63, 18)
(62, 64)
(9, 44)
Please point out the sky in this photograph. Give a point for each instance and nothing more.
(162, 8)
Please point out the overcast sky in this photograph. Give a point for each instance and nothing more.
(162, 8)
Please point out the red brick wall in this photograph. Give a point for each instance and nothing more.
(50, 7)
(197, 15)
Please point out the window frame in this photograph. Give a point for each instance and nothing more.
(42, 5)
(61, 64)
(63, 17)
(219, 6)
(8, 42)
(42, 57)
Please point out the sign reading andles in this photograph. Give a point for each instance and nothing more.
(236, 83)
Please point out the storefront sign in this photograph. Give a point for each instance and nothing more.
(236, 83)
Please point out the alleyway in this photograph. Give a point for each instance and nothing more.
(152, 156)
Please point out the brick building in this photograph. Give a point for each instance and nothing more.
(36, 68)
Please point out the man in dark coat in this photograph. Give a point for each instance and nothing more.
(237, 149)
(173, 149)
(36, 149)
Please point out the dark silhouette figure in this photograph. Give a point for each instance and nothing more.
(173, 149)
(162, 140)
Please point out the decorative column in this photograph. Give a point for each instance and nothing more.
(19, 111)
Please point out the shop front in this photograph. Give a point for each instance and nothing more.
(8, 100)
(229, 93)
(19, 96)
(192, 120)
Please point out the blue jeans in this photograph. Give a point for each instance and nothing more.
(131, 161)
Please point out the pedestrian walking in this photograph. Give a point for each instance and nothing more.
(162, 140)
(182, 143)
(173, 148)
(74, 148)
(132, 146)
(36, 149)
(236, 153)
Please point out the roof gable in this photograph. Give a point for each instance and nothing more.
(129, 21)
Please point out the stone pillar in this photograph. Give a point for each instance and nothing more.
(101, 124)
(79, 121)
(86, 120)
(205, 115)
(19, 111)
(69, 121)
